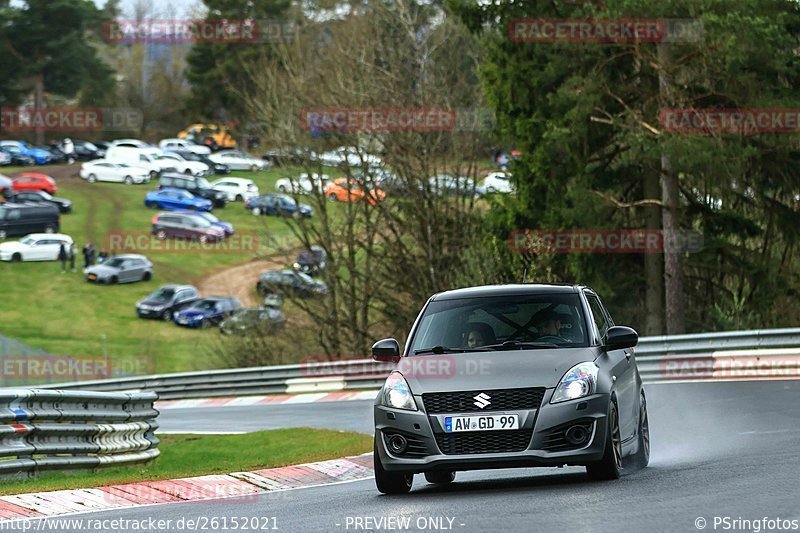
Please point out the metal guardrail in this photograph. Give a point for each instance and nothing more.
(665, 358)
(65, 430)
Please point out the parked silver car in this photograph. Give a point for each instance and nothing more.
(125, 268)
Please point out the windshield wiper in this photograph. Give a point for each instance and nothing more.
(444, 349)
(510, 345)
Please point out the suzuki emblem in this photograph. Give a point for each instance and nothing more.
(482, 400)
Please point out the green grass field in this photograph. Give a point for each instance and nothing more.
(62, 314)
(197, 455)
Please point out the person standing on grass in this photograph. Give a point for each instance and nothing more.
(73, 251)
(62, 256)
(86, 256)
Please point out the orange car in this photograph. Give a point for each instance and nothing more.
(348, 189)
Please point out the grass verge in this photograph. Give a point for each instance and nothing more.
(197, 455)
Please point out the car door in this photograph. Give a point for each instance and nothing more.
(622, 365)
(47, 249)
(135, 269)
(110, 172)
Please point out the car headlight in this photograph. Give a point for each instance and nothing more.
(397, 394)
(579, 381)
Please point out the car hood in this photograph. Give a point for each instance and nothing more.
(102, 270)
(491, 370)
(153, 303)
(12, 246)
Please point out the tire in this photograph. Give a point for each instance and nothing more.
(113, 281)
(92, 178)
(440, 478)
(205, 324)
(166, 316)
(152, 205)
(153, 174)
(256, 211)
(282, 189)
(610, 466)
(16, 258)
(390, 482)
(50, 229)
(202, 239)
(147, 276)
(642, 456)
(161, 235)
(253, 168)
(239, 198)
(332, 197)
(187, 171)
(128, 180)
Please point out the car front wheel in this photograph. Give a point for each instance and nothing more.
(610, 466)
(256, 211)
(92, 178)
(390, 482)
(166, 316)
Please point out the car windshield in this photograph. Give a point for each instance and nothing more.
(162, 295)
(555, 320)
(203, 183)
(288, 200)
(45, 195)
(201, 222)
(116, 262)
(208, 217)
(27, 240)
(306, 278)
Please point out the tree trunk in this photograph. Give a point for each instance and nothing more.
(653, 263)
(673, 270)
(38, 104)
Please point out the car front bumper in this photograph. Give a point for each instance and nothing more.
(549, 420)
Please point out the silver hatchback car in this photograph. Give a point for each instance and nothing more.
(510, 376)
(125, 268)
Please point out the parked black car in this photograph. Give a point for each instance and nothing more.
(166, 301)
(57, 155)
(22, 219)
(218, 168)
(311, 261)
(198, 186)
(276, 204)
(252, 318)
(87, 151)
(290, 283)
(185, 225)
(41, 197)
(281, 157)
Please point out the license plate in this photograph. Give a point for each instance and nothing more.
(454, 424)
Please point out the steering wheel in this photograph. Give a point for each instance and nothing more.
(551, 338)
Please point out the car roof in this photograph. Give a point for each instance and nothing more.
(128, 256)
(507, 290)
(48, 236)
(177, 287)
(170, 189)
(232, 178)
(178, 175)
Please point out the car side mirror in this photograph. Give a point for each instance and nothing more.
(620, 337)
(386, 350)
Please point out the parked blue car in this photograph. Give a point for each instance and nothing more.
(277, 204)
(207, 312)
(227, 227)
(21, 148)
(176, 199)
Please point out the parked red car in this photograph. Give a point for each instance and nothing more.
(33, 181)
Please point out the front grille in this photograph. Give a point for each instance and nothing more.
(556, 441)
(484, 442)
(500, 400)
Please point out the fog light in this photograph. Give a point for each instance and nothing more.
(577, 435)
(397, 444)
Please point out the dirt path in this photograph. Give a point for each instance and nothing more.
(239, 281)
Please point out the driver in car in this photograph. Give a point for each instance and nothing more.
(549, 326)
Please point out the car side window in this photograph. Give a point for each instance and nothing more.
(597, 314)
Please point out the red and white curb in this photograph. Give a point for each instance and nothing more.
(273, 399)
(241, 485)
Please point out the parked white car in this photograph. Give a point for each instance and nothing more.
(237, 189)
(303, 184)
(35, 247)
(104, 170)
(184, 145)
(130, 143)
(181, 164)
(237, 160)
(143, 157)
(498, 182)
(349, 156)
